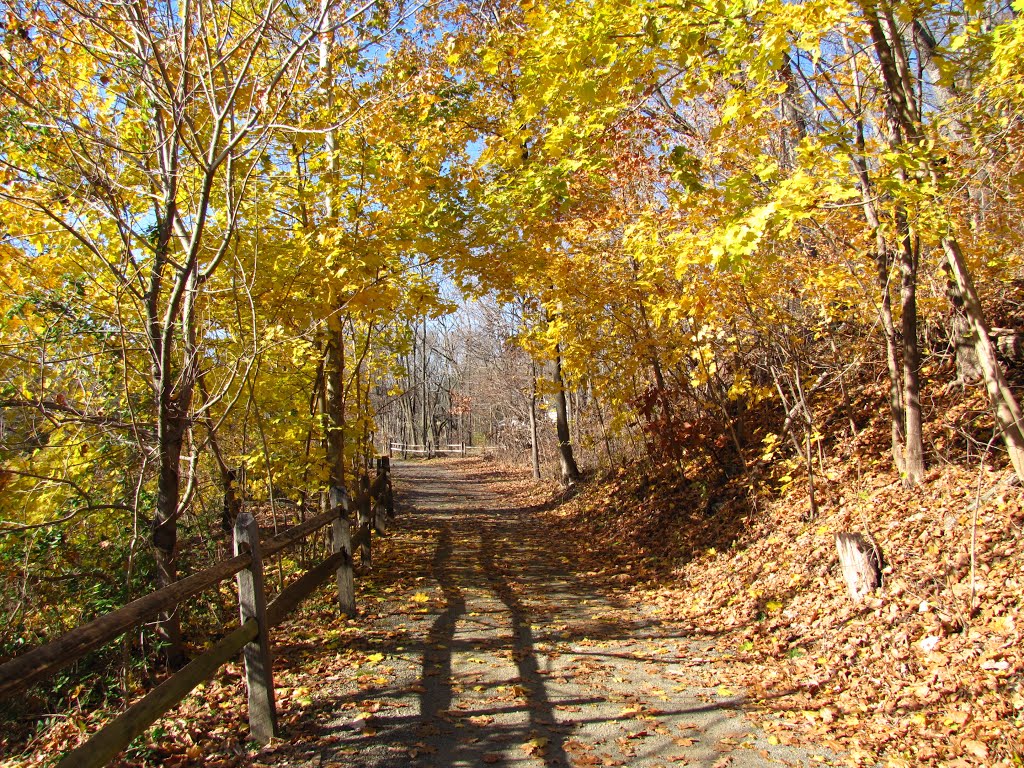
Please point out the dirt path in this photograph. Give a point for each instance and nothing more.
(489, 650)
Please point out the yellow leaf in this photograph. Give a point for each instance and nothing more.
(536, 745)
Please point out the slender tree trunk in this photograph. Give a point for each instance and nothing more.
(334, 395)
(570, 472)
(892, 357)
(883, 262)
(913, 470)
(175, 395)
(170, 431)
(425, 415)
(534, 446)
(812, 511)
(333, 412)
(604, 429)
(899, 91)
(791, 104)
(232, 502)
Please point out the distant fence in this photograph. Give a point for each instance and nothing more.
(373, 505)
(430, 450)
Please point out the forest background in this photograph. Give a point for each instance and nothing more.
(245, 245)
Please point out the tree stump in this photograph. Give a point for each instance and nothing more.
(860, 561)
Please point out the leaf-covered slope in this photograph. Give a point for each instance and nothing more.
(927, 672)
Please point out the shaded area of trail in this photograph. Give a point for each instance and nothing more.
(489, 650)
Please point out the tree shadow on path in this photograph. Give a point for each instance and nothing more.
(521, 663)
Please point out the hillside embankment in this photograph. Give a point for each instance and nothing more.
(926, 671)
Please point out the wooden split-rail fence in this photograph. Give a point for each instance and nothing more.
(430, 450)
(373, 505)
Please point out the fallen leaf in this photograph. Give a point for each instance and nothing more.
(976, 748)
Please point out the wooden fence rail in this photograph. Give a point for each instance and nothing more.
(431, 450)
(251, 637)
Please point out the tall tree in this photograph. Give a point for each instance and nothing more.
(138, 126)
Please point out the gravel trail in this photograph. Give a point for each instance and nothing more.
(492, 651)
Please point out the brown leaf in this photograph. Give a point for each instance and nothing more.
(976, 748)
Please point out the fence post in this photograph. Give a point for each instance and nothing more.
(364, 520)
(380, 521)
(462, 448)
(386, 498)
(341, 540)
(379, 510)
(252, 603)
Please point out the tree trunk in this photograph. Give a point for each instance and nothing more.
(790, 102)
(229, 479)
(902, 108)
(892, 359)
(604, 430)
(171, 430)
(913, 470)
(174, 406)
(334, 391)
(534, 447)
(570, 472)
(883, 261)
(812, 502)
(425, 415)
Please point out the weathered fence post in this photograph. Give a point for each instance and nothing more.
(387, 495)
(380, 523)
(341, 541)
(252, 603)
